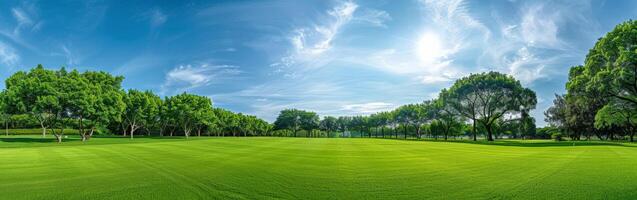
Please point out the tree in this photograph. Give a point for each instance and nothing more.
(618, 114)
(96, 97)
(4, 116)
(610, 67)
(294, 120)
(486, 97)
(34, 92)
(344, 123)
(141, 108)
(187, 109)
(446, 121)
(556, 114)
(329, 124)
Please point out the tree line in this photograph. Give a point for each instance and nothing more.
(94, 101)
(601, 95)
(490, 104)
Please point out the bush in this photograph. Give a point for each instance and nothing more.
(557, 136)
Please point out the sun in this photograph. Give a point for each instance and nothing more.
(430, 47)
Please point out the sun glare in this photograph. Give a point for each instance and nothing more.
(430, 47)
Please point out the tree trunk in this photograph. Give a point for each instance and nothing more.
(132, 132)
(405, 132)
(418, 132)
(43, 129)
(489, 134)
(631, 136)
(58, 138)
(382, 131)
(198, 132)
(474, 131)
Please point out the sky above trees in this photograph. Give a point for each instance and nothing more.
(332, 57)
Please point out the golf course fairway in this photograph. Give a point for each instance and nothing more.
(314, 168)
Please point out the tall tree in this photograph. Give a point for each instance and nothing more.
(141, 108)
(34, 92)
(610, 68)
(188, 109)
(486, 97)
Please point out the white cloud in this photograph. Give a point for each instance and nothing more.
(526, 67)
(26, 17)
(538, 27)
(367, 108)
(373, 17)
(313, 47)
(186, 77)
(532, 42)
(8, 56)
(318, 39)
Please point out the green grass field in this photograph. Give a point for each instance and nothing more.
(300, 168)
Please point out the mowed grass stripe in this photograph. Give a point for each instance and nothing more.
(311, 168)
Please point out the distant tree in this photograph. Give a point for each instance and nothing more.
(486, 97)
(344, 124)
(187, 109)
(446, 120)
(289, 119)
(556, 115)
(329, 124)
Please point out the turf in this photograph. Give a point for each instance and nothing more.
(301, 168)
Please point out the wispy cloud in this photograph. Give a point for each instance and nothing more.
(185, 77)
(368, 108)
(532, 42)
(8, 56)
(373, 17)
(309, 43)
(23, 20)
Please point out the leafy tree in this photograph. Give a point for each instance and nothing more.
(610, 67)
(34, 92)
(141, 109)
(446, 121)
(329, 124)
(486, 97)
(187, 109)
(96, 97)
(293, 120)
(618, 114)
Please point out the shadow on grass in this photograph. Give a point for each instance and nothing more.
(530, 143)
(35, 140)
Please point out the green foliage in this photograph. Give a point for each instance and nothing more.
(295, 120)
(486, 97)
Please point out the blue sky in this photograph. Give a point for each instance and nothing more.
(333, 57)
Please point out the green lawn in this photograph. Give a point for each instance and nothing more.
(300, 168)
